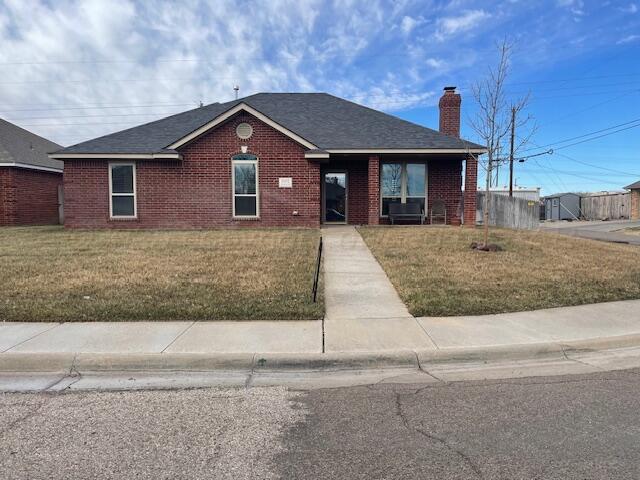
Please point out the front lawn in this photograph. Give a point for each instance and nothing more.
(437, 274)
(52, 274)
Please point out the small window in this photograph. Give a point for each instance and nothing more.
(122, 190)
(555, 202)
(244, 172)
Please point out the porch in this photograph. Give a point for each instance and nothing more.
(358, 189)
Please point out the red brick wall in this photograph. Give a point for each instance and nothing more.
(450, 113)
(28, 197)
(196, 192)
(470, 189)
(374, 190)
(445, 183)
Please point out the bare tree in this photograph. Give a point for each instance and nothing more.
(492, 121)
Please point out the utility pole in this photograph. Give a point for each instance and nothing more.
(513, 134)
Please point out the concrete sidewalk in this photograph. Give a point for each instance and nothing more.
(162, 337)
(363, 310)
(555, 325)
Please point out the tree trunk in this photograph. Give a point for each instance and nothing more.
(485, 209)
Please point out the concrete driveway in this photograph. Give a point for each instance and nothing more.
(596, 230)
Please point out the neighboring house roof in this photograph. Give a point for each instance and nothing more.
(21, 148)
(319, 120)
(633, 186)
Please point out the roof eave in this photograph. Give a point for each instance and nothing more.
(29, 166)
(409, 150)
(116, 156)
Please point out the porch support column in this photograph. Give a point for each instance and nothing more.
(374, 189)
(470, 191)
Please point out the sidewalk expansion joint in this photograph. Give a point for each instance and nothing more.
(427, 334)
(34, 336)
(178, 336)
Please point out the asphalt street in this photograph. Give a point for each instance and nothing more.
(610, 231)
(565, 427)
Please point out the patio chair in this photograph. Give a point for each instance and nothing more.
(438, 212)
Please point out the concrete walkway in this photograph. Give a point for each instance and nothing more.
(162, 337)
(363, 310)
(361, 334)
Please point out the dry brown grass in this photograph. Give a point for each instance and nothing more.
(631, 231)
(437, 274)
(49, 273)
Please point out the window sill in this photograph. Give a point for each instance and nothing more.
(251, 219)
(123, 219)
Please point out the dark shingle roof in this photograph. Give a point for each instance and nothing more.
(326, 121)
(633, 185)
(18, 145)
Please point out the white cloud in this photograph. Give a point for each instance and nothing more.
(408, 24)
(449, 26)
(576, 7)
(435, 63)
(631, 8)
(628, 39)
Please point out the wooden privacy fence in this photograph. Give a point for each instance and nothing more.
(509, 212)
(606, 207)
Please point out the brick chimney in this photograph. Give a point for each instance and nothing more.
(450, 112)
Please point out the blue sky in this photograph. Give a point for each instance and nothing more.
(73, 70)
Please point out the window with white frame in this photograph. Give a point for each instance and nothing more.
(122, 190)
(244, 171)
(403, 182)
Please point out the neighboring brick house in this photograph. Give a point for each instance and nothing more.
(635, 200)
(290, 159)
(29, 179)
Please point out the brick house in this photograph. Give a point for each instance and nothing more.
(29, 179)
(290, 159)
(634, 189)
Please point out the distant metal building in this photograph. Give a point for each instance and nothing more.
(562, 206)
(518, 192)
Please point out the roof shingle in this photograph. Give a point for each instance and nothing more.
(18, 145)
(324, 120)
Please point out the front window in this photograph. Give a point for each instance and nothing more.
(403, 182)
(122, 190)
(245, 185)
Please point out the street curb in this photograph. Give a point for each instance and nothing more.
(141, 362)
(301, 362)
(335, 361)
(36, 362)
(525, 351)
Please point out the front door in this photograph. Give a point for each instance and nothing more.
(334, 206)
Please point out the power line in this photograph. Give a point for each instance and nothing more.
(571, 114)
(99, 107)
(96, 115)
(599, 136)
(584, 135)
(578, 175)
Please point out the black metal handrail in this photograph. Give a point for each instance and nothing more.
(316, 277)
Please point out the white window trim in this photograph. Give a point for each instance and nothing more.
(403, 184)
(134, 194)
(233, 189)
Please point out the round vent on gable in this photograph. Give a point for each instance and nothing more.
(244, 131)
